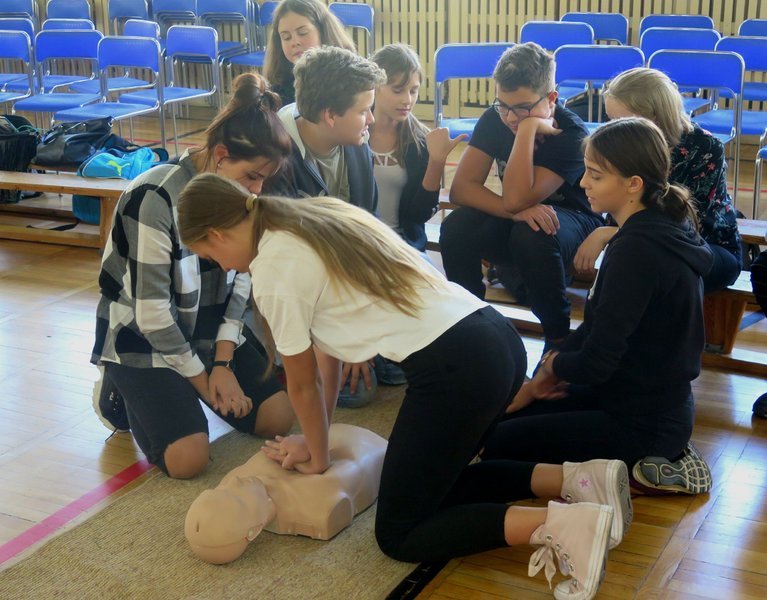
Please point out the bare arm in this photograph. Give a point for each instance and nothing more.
(524, 184)
(468, 187)
(305, 393)
(330, 372)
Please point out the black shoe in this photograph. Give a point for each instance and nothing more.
(109, 405)
(760, 406)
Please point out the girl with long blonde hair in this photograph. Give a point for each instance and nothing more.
(329, 275)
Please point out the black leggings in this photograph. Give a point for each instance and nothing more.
(576, 429)
(431, 505)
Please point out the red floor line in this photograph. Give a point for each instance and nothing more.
(47, 526)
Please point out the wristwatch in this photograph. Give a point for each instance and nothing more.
(229, 364)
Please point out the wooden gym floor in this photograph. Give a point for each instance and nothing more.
(55, 463)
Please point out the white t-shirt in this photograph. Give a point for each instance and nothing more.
(293, 292)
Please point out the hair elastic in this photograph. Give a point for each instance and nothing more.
(250, 202)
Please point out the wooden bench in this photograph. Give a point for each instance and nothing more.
(106, 190)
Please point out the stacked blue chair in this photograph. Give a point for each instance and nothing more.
(16, 46)
(462, 61)
(687, 21)
(712, 71)
(608, 27)
(168, 12)
(21, 9)
(263, 18)
(184, 42)
(753, 27)
(356, 15)
(141, 28)
(68, 9)
(680, 38)
(551, 35)
(122, 10)
(53, 45)
(125, 52)
(213, 13)
(28, 27)
(594, 64)
(49, 24)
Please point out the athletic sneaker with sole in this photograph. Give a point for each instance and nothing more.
(109, 405)
(574, 537)
(602, 482)
(688, 475)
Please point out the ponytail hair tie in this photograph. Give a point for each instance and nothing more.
(665, 190)
(250, 202)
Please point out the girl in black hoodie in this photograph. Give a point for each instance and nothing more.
(619, 386)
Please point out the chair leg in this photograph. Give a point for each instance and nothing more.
(163, 134)
(175, 131)
(757, 187)
(130, 129)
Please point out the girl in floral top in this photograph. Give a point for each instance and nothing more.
(697, 162)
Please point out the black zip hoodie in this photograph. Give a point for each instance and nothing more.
(642, 336)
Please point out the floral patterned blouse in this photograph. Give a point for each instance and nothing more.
(698, 163)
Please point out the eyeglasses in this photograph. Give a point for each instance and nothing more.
(520, 110)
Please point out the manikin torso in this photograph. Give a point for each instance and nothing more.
(260, 494)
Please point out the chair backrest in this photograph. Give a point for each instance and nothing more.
(464, 61)
(357, 15)
(141, 28)
(595, 63)
(18, 24)
(753, 50)
(677, 38)
(68, 9)
(18, 8)
(192, 40)
(267, 12)
(612, 27)
(753, 27)
(552, 34)
(67, 44)
(128, 51)
(120, 10)
(15, 45)
(49, 24)
(701, 68)
(178, 8)
(688, 21)
(234, 8)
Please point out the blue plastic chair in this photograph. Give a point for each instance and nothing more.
(263, 16)
(712, 71)
(122, 10)
(753, 27)
(185, 43)
(608, 27)
(24, 9)
(68, 9)
(680, 38)
(356, 15)
(127, 52)
(760, 157)
(753, 50)
(16, 46)
(169, 12)
(550, 35)
(687, 21)
(594, 64)
(141, 28)
(213, 13)
(49, 24)
(50, 46)
(462, 61)
(18, 24)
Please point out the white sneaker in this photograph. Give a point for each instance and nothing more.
(575, 538)
(602, 482)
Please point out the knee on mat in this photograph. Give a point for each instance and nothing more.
(452, 231)
(392, 546)
(187, 457)
(275, 416)
(524, 240)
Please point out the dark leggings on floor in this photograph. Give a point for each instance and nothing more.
(431, 505)
(576, 429)
(163, 407)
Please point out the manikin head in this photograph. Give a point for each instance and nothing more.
(221, 522)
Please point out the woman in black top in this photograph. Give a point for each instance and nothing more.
(621, 381)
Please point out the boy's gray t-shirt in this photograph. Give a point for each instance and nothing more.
(332, 167)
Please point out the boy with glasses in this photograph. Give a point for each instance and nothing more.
(534, 227)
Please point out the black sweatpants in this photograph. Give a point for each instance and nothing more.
(431, 505)
(468, 235)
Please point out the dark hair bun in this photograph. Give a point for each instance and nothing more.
(252, 90)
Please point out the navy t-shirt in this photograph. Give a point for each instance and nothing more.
(561, 153)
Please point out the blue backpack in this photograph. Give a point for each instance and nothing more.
(113, 164)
